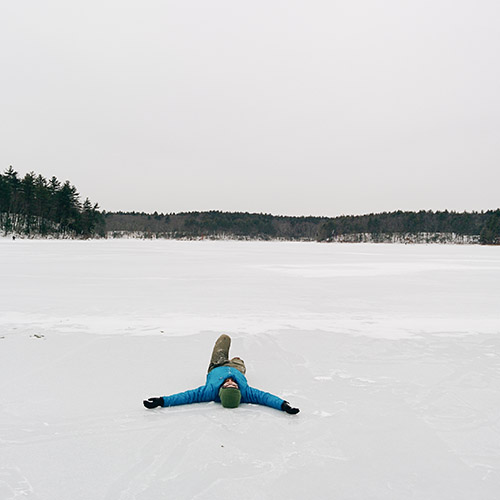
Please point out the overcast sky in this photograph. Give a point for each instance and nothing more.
(298, 107)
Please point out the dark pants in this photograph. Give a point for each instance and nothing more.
(220, 355)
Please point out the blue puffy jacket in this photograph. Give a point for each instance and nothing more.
(210, 391)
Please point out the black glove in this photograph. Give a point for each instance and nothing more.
(153, 402)
(286, 407)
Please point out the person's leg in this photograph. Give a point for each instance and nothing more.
(220, 353)
(237, 363)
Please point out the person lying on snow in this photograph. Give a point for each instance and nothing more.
(226, 383)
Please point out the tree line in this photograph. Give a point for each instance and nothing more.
(34, 205)
(213, 224)
(482, 227)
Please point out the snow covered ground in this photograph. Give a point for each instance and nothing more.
(392, 353)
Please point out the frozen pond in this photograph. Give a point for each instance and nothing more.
(392, 353)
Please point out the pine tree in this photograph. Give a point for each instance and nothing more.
(35, 205)
(490, 234)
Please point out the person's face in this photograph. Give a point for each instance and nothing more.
(229, 382)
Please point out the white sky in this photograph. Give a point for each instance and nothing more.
(294, 107)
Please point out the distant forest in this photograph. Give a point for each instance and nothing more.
(411, 227)
(35, 206)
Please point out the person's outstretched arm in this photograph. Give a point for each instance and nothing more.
(258, 397)
(200, 395)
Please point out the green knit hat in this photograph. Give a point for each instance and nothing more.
(230, 397)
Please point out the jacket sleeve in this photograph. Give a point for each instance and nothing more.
(262, 398)
(199, 395)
